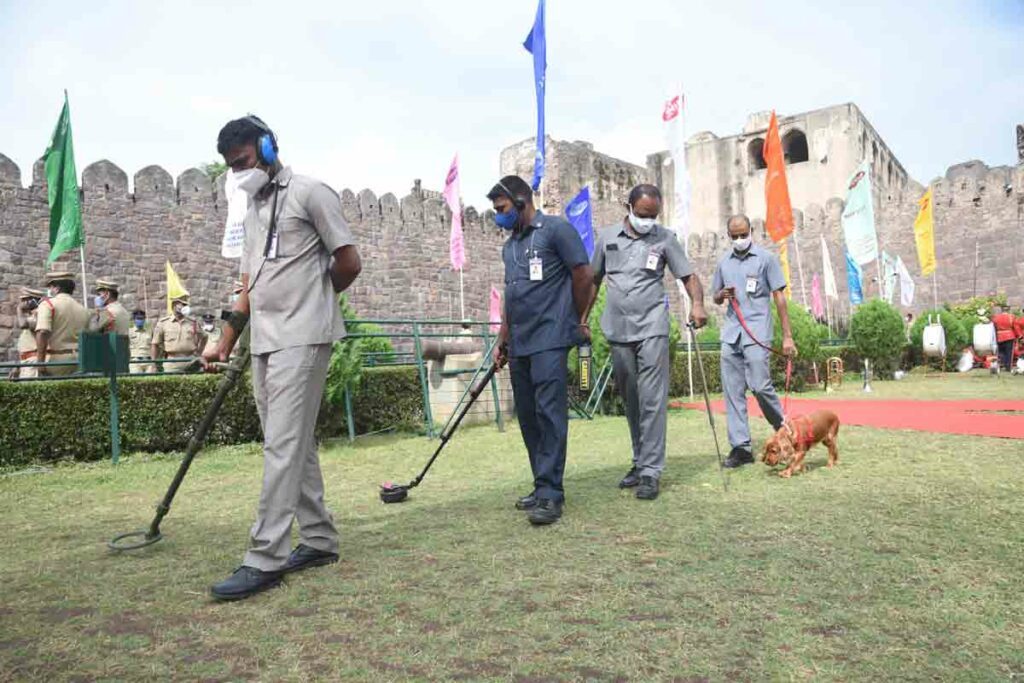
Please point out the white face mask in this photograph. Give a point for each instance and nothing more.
(234, 298)
(741, 244)
(52, 291)
(251, 180)
(186, 309)
(98, 300)
(208, 327)
(641, 225)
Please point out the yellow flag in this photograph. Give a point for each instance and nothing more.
(784, 261)
(924, 234)
(174, 287)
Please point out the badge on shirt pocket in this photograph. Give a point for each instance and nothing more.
(536, 269)
(751, 284)
(653, 259)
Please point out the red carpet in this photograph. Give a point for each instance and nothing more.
(1003, 419)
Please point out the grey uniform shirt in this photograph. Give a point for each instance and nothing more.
(291, 300)
(635, 271)
(755, 275)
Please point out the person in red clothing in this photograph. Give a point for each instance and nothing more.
(1007, 329)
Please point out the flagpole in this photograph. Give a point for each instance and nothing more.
(689, 338)
(145, 291)
(81, 252)
(935, 290)
(462, 302)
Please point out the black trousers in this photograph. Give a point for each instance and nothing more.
(1006, 354)
(540, 385)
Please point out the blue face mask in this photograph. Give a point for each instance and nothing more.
(139, 322)
(508, 220)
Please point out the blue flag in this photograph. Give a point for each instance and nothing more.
(853, 280)
(579, 214)
(537, 44)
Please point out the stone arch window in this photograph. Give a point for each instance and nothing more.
(874, 154)
(755, 152)
(794, 147)
(889, 174)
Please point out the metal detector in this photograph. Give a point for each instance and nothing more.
(707, 404)
(134, 540)
(396, 493)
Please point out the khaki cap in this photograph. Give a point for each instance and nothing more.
(58, 276)
(107, 284)
(29, 293)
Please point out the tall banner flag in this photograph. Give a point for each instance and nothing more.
(536, 43)
(817, 306)
(234, 229)
(579, 213)
(853, 280)
(494, 310)
(924, 234)
(829, 275)
(675, 136)
(456, 246)
(889, 277)
(784, 262)
(859, 217)
(62, 189)
(778, 217)
(906, 284)
(174, 287)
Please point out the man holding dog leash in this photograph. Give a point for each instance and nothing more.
(297, 255)
(750, 277)
(633, 255)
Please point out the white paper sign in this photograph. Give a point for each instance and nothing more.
(238, 206)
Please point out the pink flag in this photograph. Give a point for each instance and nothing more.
(495, 311)
(817, 307)
(456, 248)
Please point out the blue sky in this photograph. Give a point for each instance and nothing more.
(376, 94)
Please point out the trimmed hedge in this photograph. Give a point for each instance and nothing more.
(71, 419)
(389, 397)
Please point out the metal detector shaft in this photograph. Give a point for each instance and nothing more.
(232, 372)
(451, 427)
(707, 405)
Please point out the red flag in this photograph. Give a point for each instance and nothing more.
(778, 218)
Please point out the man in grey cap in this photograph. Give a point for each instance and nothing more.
(632, 256)
(298, 253)
(750, 275)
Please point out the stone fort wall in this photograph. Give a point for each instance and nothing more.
(130, 236)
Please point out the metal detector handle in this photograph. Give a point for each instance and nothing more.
(474, 394)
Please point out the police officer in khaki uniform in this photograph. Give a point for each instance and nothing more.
(139, 341)
(213, 333)
(110, 315)
(28, 303)
(59, 320)
(176, 336)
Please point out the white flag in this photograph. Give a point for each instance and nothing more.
(675, 136)
(828, 274)
(906, 283)
(238, 206)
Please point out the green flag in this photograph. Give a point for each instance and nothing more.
(62, 188)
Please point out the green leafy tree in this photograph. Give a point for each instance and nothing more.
(807, 332)
(214, 169)
(346, 367)
(878, 334)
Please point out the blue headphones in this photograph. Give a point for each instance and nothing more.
(266, 146)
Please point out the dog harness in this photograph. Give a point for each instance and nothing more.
(802, 438)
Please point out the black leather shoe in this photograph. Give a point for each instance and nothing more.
(547, 511)
(304, 557)
(526, 502)
(244, 582)
(631, 479)
(738, 457)
(648, 488)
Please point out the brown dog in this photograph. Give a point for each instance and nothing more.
(797, 435)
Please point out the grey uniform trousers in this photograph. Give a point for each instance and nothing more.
(288, 385)
(642, 374)
(743, 367)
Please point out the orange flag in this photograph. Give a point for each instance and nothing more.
(778, 219)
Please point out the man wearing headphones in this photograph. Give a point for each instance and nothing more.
(298, 253)
(548, 282)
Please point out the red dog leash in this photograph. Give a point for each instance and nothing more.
(789, 359)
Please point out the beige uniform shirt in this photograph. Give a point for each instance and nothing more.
(177, 337)
(139, 340)
(113, 318)
(292, 302)
(27, 338)
(64, 318)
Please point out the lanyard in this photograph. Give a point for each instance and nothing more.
(529, 250)
(272, 231)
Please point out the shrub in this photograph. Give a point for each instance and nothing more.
(957, 336)
(71, 418)
(878, 333)
(389, 397)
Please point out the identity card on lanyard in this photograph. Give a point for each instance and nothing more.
(536, 269)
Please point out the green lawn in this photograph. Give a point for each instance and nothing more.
(903, 563)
